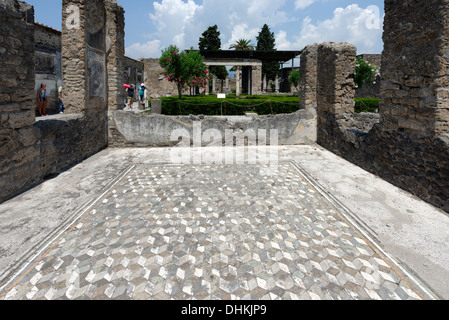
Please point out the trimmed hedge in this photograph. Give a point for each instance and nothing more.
(262, 105)
(366, 105)
(211, 105)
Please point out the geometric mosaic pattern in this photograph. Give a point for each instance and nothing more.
(214, 232)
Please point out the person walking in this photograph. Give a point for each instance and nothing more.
(141, 92)
(42, 99)
(61, 104)
(131, 96)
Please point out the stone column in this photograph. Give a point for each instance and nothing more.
(335, 87)
(214, 80)
(256, 79)
(264, 83)
(84, 55)
(237, 81)
(206, 92)
(308, 80)
(415, 67)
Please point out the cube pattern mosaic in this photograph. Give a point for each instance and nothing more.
(213, 232)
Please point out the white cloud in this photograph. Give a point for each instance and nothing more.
(351, 24)
(282, 43)
(172, 18)
(302, 4)
(151, 49)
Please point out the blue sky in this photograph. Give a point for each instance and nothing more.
(151, 26)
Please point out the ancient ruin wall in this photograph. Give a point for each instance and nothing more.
(308, 80)
(409, 147)
(415, 90)
(32, 150)
(19, 151)
(115, 51)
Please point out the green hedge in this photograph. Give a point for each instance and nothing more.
(211, 105)
(262, 105)
(366, 105)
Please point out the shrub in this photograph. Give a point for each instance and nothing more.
(364, 73)
(366, 105)
(211, 105)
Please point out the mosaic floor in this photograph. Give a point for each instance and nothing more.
(214, 232)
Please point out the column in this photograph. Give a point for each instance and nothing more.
(237, 81)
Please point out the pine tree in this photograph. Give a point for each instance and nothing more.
(267, 42)
(210, 40)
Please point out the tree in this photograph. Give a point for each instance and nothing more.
(210, 40)
(267, 42)
(243, 45)
(294, 78)
(183, 68)
(364, 72)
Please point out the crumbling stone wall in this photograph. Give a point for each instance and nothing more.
(18, 138)
(308, 80)
(115, 51)
(335, 89)
(32, 150)
(409, 147)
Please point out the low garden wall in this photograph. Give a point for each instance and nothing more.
(129, 129)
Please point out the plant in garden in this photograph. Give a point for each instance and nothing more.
(267, 42)
(184, 68)
(294, 78)
(210, 40)
(364, 72)
(243, 45)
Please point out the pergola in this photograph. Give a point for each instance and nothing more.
(251, 63)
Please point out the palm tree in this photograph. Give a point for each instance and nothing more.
(243, 45)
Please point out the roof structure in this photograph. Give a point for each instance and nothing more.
(264, 56)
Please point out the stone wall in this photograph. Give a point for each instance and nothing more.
(115, 51)
(134, 72)
(335, 89)
(152, 130)
(408, 145)
(18, 138)
(32, 150)
(158, 86)
(308, 80)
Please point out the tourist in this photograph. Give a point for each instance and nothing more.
(42, 99)
(130, 95)
(61, 104)
(141, 92)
